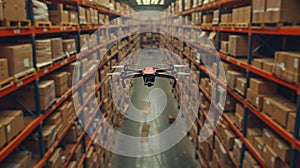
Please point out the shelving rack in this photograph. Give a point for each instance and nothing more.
(40, 116)
(292, 139)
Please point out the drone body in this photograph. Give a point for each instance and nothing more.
(148, 74)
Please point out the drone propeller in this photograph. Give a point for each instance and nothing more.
(118, 66)
(180, 66)
(114, 74)
(182, 73)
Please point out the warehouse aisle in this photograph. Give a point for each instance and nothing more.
(182, 154)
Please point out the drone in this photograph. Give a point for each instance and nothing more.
(149, 73)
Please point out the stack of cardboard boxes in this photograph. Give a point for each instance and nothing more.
(241, 15)
(56, 48)
(238, 45)
(19, 58)
(287, 66)
(61, 82)
(3, 69)
(11, 123)
(19, 8)
(259, 89)
(46, 95)
(43, 52)
(69, 46)
(57, 14)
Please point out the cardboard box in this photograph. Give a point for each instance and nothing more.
(282, 149)
(82, 15)
(261, 86)
(71, 136)
(2, 138)
(287, 66)
(232, 77)
(282, 11)
(224, 47)
(229, 140)
(291, 123)
(19, 8)
(56, 48)
(47, 95)
(252, 133)
(73, 164)
(268, 136)
(57, 14)
(237, 149)
(69, 45)
(73, 17)
(259, 144)
(268, 66)
(61, 89)
(23, 158)
(258, 11)
(255, 99)
(271, 158)
(49, 135)
(19, 57)
(240, 86)
(54, 119)
(55, 159)
(259, 62)
(3, 64)
(77, 154)
(43, 52)
(3, 75)
(279, 108)
(238, 45)
(59, 78)
(1, 11)
(250, 161)
(13, 121)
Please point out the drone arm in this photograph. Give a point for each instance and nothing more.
(129, 76)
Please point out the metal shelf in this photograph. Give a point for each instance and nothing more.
(215, 5)
(236, 130)
(247, 67)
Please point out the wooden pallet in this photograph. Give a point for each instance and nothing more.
(70, 54)
(257, 25)
(223, 25)
(60, 58)
(6, 83)
(15, 24)
(281, 24)
(231, 25)
(242, 25)
(85, 25)
(42, 24)
(67, 24)
(24, 75)
(44, 65)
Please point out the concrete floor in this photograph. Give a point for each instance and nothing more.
(179, 156)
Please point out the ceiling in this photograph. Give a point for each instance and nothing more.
(141, 5)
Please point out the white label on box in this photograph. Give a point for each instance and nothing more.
(256, 100)
(26, 62)
(279, 146)
(296, 62)
(268, 102)
(8, 129)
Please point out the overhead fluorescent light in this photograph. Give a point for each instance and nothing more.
(139, 2)
(146, 2)
(155, 2)
(162, 2)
